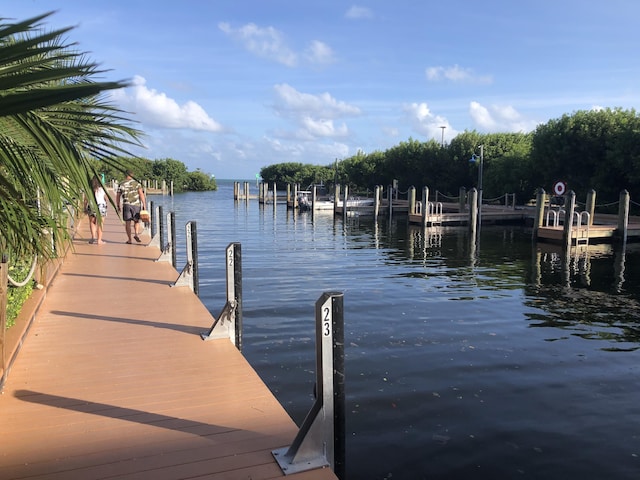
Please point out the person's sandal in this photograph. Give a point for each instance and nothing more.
(137, 238)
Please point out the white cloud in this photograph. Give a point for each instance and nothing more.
(153, 108)
(269, 43)
(391, 131)
(319, 53)
(323, 105)
(315, 153)
(426, 123)
(323, 128)
(265, 42)
(456, 74)
(496, 118)
(314, 115)
(357, 12)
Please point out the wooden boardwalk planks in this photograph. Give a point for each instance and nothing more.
(114, 381)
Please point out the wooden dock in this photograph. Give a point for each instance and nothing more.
(114, 381)
(491, 215)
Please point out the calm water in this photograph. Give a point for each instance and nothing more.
(504, 361)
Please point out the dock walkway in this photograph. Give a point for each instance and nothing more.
(113, 381)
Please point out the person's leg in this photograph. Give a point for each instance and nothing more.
(127, 216)
(99, 232)
(136, 223)
(92, 227)
(127, 227)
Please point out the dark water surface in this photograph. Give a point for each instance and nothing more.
(500, 361)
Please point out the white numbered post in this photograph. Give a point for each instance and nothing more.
(320, 440)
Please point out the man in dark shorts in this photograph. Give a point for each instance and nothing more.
(133, 200)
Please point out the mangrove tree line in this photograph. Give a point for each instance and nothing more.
(595, 149)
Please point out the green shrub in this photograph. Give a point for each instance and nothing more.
(16, 296)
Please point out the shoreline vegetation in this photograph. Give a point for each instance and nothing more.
(166, 169)
(595, 149)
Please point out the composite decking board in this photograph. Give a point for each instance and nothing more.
(114, 381)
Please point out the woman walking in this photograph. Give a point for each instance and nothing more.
(95, 225)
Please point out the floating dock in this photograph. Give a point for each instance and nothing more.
(114, 381)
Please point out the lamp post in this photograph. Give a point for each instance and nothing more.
(443, 127)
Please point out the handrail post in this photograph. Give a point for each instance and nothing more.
(189, 274)
(232, 310)
(320, 441)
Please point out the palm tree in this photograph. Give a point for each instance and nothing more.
(54, 120)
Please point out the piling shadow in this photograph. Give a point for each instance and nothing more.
(122, 413)
(132, 279)
(189, 329)
(128, 257)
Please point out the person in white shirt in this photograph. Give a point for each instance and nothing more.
(95, 225)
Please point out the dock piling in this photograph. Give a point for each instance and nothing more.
(189, 274)
(168, 249)
(228, 324)
(570, 207)
(623, 215)
(473, 211)
(425, 206)
(320, 440)
(590, 207)
(156, 220)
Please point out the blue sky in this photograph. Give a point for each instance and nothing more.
(230, 86)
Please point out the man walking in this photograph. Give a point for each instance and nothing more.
(133, 200)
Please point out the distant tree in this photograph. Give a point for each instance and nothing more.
(300, 173)
(595, 149)
(171, 170)
(199, 182)
(460, 150)
(362, 171)
(509, 167)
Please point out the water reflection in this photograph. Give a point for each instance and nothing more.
(582, 291)
(500, 361)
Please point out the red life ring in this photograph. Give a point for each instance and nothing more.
(559, 188)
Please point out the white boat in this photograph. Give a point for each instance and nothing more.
(305, 202)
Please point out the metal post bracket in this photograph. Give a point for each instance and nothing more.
(221, 326)
(229, 322)
(316, 444)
